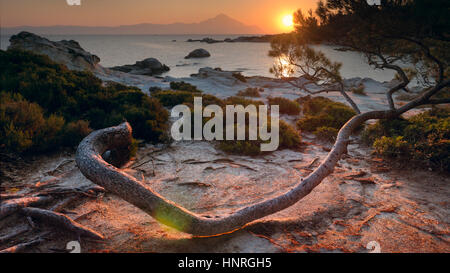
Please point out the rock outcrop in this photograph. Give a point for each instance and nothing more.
(205, 40)
(198, 53)
(148, 67)
(241, 39)
(69, 53)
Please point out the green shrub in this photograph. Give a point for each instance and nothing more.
(183, 86)
(240, 147)
(314, 105)
(210, 99)
(24, 127)
(391, 146)
(75, 131)
(250, 92)
(170, 98)
(323, 112)
(287, 106)
(289, 139)
(424, 138)
(326, 133)
(385, 127)
(75, 95)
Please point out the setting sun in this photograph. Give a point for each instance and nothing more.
(288, 20)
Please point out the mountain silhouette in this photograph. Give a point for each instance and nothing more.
(221, 24)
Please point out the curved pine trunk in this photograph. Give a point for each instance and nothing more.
(92, 165)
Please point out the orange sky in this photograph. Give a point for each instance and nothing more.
(267, 14)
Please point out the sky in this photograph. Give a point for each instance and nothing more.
(267, 14)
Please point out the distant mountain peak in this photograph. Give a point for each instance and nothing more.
(220, 24)
(222, 16)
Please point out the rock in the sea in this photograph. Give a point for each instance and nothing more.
(148, 67)
(69, 53)
(198, 53)
(206, 40)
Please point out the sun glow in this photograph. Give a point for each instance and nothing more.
(288, 20)
(285, 68)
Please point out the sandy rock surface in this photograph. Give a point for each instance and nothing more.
(366, 199)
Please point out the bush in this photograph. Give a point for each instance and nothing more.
(424, 138)
(322, 112)
(170, 98)
(289, 139)
(326, 133)
(391, 146)
(250, 92)
(75, 131)
(23, 126)
(385, 127)
(183, 86)
(287, 106)
(74, 95)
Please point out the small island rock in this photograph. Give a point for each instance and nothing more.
(198, 53)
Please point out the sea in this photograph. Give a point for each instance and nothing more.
(250, 58)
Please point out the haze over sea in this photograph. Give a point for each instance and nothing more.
(250, 58)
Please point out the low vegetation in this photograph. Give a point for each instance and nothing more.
(289, 139)
(289, 136)
(287, 106)
(323, 117)
(250, 92)
(183, 86)
(242, 101)
(171, 98)
(44, 105)
(424, 138)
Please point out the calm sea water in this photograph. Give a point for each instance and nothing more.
(250, 58)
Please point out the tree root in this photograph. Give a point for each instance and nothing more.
(11, 206)
(92, 165)
(21, 247)
(15, 233)
(58, 207)
(60, 220)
